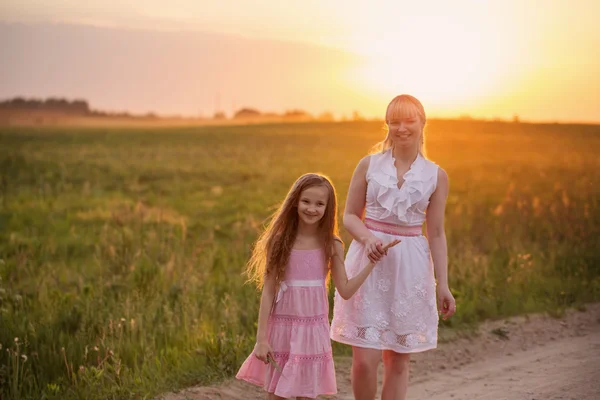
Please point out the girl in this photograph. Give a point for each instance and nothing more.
(394, 313)
(291, 260)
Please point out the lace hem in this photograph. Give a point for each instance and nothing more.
(373, 337)
(287, 357)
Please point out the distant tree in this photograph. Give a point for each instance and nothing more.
(246, 113)
(55, 104)
(76, 107)
(80, 107)
(325, 117)
(219, 115)
(356, 116)
(297, 115)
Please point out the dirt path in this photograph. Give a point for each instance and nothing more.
(525, 358)
(566, 369)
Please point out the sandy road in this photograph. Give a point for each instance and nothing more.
(524, 358)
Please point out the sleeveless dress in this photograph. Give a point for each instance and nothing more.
(395, 309)
(298, 332)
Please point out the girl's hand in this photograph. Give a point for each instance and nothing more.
(386, 247)
(374, 249)
(263, 350)
(446, 302)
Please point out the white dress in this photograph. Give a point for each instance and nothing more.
(395, 309)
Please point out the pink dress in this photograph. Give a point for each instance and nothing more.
(298, 332)
(395, 309)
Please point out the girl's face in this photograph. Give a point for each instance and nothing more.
(405, 132)
(312, 204)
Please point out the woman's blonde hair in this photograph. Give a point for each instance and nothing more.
(402, 106)
(272, 250)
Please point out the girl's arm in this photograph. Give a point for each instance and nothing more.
(355, 208)
(263, 349)
(347, 287)
(437, 242)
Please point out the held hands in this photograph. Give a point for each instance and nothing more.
(376, 249)
(263, 351)
(446, 302)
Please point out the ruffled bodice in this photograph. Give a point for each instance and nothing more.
(401, 206)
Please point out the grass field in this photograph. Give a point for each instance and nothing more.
(121, 251)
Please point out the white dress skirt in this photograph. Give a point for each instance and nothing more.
(395, 309)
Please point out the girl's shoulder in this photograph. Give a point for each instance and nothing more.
(337, 245)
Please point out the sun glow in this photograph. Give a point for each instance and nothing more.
(444, 61)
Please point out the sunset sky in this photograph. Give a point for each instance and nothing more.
(537, 59)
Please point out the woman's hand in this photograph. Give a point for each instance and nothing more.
(446, 302)
(262, 350)
(374, 249)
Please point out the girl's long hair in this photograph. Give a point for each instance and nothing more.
(272, 250)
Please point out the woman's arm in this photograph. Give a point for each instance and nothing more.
(355, 208)
(347, 287)
(437, 242)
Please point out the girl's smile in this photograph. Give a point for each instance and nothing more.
(312, 204)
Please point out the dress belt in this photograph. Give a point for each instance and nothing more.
(283, 285)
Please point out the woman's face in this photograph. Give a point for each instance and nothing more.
(405, 132)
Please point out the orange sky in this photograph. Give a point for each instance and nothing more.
(537, 59)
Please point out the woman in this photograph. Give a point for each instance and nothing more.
(394, 313)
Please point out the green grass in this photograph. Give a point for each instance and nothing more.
(121, 251)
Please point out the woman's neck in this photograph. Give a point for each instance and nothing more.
(405, 155)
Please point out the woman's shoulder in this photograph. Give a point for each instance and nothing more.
(373, 157)
(442, 176)
(364, 163)
(430, 167)
(428, 162)
(432, 172)
(433, 166)
(375, 161)
(381, 168)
